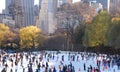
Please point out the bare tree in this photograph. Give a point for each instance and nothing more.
(69, 16)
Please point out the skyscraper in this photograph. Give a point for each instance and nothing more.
(47, 13)
(18, 13)
(22, 11)
(108, 5)
(28, 12)
(40, 1)
(36, 12)
(7, 3)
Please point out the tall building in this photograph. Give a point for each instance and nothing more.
(22, 11)
(36, 13)
(47, 20)
(40, 1)
(28, 12)
(108, 5)
(7, 3)
(18, 13)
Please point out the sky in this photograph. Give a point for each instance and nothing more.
(2, 4)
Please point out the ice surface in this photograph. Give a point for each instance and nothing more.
(54, 63)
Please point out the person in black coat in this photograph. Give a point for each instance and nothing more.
(54, 70)
(84, 67)
(39, 66)
(3, 70)
(47, 64)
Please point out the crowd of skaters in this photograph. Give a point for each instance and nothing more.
(39, 61)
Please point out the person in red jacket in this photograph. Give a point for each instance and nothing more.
(94, 70)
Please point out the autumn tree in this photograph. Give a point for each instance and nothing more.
(6, 36)
(9, 39)
(95, 33)
(16, 39)
(29, 37)
(3, 30)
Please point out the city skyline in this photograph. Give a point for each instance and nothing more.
(2, 3)
(24, 14)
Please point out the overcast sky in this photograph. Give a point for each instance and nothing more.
(2, 4)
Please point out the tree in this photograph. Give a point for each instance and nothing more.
(114, 34)
(56, 42)
(29, 37)
(3, 30)
(16, 39)
(95, 33)
(69, 16)
(6, 36)
(41, 40)
(9, 39)
(79, 33)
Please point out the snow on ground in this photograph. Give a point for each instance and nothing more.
(54, 63)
